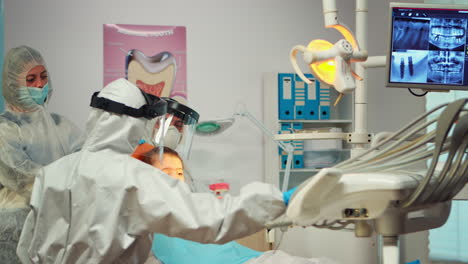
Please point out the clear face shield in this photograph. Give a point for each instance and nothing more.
(177, 128)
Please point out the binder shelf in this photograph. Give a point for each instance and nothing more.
(303, 114)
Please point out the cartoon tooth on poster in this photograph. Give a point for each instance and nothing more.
(152, 57)
(154, 75)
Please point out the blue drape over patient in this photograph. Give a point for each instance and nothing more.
(176, 250)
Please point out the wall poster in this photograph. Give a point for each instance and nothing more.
(152, 57)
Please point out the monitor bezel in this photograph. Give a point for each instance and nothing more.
(426, 86)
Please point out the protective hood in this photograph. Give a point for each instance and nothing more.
(120, 133)
(18, 62)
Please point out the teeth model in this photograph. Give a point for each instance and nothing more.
(152, 74)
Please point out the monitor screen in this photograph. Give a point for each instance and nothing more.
(428, 47)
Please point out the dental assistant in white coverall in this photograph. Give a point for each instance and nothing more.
(100, 205)
(30, 137)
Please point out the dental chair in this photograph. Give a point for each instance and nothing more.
(403, 184)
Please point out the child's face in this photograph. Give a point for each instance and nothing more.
(172, 166)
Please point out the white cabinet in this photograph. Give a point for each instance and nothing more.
(317, 153)
(341, 246)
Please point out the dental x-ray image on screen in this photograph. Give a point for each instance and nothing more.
(410, 33)
(445, 67)
(409, 66)
(428, 46)
(447, 34)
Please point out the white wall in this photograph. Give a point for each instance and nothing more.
(230, 44)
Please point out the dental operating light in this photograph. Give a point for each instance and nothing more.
(331, 63)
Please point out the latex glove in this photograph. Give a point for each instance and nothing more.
(287, 195)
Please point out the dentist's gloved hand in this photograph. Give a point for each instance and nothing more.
(287, 195)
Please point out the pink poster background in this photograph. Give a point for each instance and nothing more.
(151, 40)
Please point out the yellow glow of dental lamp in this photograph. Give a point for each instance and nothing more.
(347, 34)
(324, 70)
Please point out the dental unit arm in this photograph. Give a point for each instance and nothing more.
(385, 186)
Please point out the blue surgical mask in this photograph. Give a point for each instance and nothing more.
(39, 95)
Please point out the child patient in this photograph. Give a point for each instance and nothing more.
(171, 162)
(172, 250)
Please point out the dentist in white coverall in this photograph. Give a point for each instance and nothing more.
(100, 205)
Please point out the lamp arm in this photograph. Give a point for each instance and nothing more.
(286, 147)
(330, 12)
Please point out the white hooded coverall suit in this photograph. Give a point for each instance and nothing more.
(100, 205)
